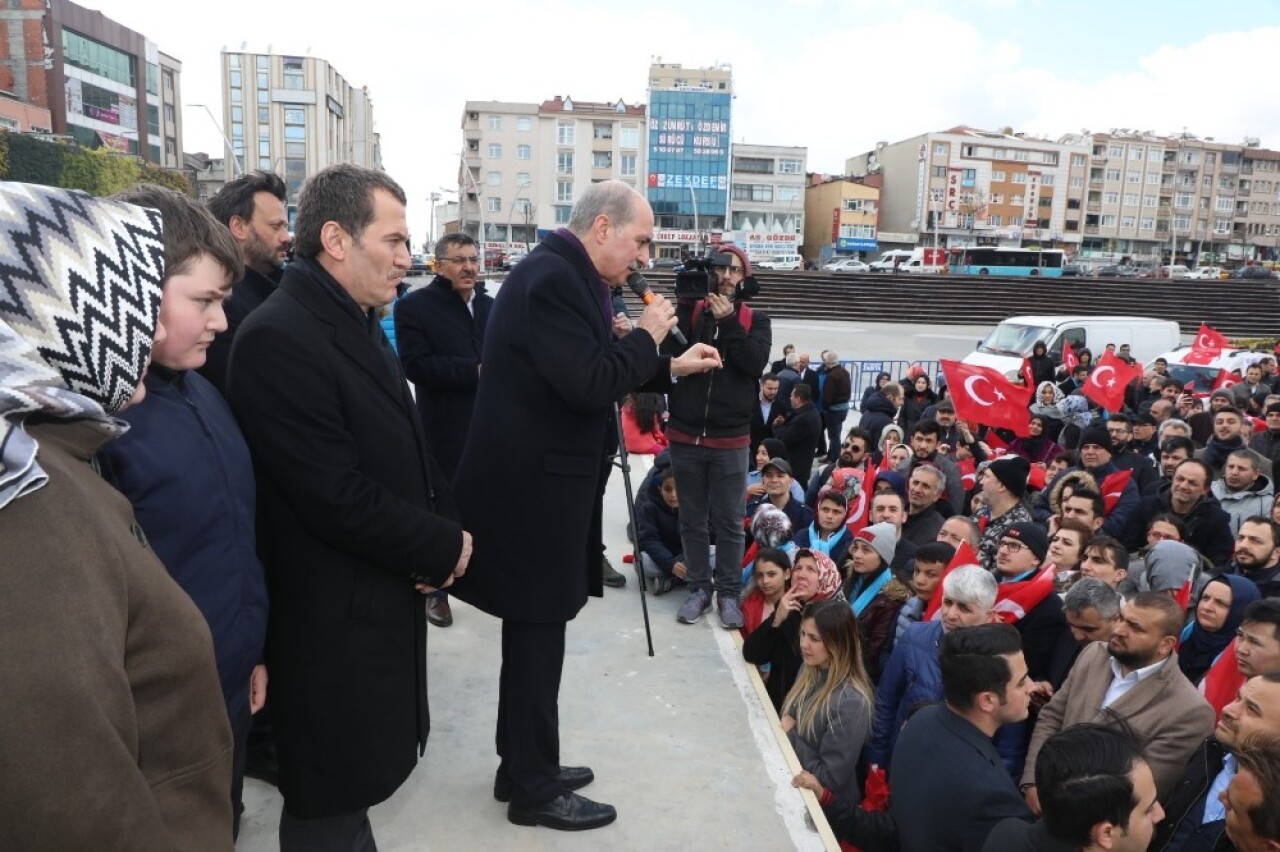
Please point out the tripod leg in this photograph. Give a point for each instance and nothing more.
(623, 462)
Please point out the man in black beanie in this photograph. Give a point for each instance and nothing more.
(1004, 483)
(1119, 492)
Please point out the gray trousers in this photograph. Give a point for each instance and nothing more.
(712, 484)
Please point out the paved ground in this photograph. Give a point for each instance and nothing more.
(677, 741)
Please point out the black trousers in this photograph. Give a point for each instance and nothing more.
(528, 733)
(240, 737)
(349, 832)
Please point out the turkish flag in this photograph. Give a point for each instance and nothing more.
(1210, 340)
(1069, 357)
(996, 443)
(1225, 380)
(860, 507)
(1113, 489)
(982, 395)
(1200, 356)
(964, 556)
(1015, 600)
(1108, 380)
(968, 468)
(1223, 680)
(1028, 375)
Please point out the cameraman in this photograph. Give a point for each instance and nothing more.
(709, 428)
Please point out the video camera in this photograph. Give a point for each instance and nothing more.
(698, 278)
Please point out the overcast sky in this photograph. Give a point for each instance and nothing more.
(833, 75)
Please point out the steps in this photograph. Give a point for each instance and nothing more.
(1235, 308)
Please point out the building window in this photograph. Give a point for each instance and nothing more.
(295, 149)
(1133, 177)
(1019, 177)
(264, 148)
(263, 80)
(602, 130)
(493, 203)
(1108, 221)
(790, 167)
(752, 192)
(495, 122)
(1077, 159)
(523, 152)
(940, 171)
(627, 165)
(1113, 174)
(295, 116)
(1149, 201)
(1115, 151)
(753, 165)
(495, 150)
(1223, 205)
(997, 198)
(233, 78)
(562, 214)
(292, 66)
(564, 192)
(787, 193)
(968, 176)
(1127, 221)
(522, 179)
(1016, 200)
(940, 149)
(564, 160)
(1110, 198)
(601, 159)
(1137, 152)
(1047, 180)
(1131, 199)
(565, 132)
(264, 115)
(1146, 224)
(493, 178)
(97, 58)
(630, 137)
(1153, 178)
(997, 176)
(524, 124)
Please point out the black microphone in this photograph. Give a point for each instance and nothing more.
(641, 288)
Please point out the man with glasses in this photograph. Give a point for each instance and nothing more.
(709, 427)
(1124, 457)
(439, 335)
(854, 452)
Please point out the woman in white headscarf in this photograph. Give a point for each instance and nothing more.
(113, 731)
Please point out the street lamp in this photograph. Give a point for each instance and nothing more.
(466, 170)
(697, 231)
(435, 199)
(235, 161)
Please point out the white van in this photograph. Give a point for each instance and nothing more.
(918, 263)
(779, 262)
(890, 260)
(1012, 340)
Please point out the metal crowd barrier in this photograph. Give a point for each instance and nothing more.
(862, 374)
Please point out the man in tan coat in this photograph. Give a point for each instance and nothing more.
(1132, 680)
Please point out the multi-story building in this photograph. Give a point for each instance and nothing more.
(73, 71)
(294, 115)
(1152, 198)
(841, 217)
(206, 174)
(766, 199)
(524, 164)
(973, 187)
(689, 122)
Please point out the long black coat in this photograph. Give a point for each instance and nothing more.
(352, 511)
(440, 342)
(552, 373)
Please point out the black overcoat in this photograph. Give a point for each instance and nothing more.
(440, 341)
(532, 474)
(352, 510)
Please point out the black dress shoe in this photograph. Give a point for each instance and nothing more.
(571, 778)
(569, 812)
(612, 578)
(438, 612)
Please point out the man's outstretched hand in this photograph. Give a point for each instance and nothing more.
(698, 358)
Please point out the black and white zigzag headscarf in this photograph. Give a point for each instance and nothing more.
(80, 282)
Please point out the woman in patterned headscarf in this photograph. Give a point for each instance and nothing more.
(114, 735)
(814, 577)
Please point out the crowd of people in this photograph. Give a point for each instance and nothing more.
(229, 517)
(1131, 558)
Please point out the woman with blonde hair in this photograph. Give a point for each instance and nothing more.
(827, 713)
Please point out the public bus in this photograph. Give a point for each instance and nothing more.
(982, 260)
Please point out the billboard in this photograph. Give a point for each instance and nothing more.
(688, 139)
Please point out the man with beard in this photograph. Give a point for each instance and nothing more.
(955, 435)
(1243, 491)
(767, 409)
(801, 431)
(1174, 450)
(1257, 555)
(1252, 799)
(855, 452)
(1187, 497)
(1267, 443)
(1144, 436)
(1126, 457)
(439, 338)
(1003, 485)
(1231, 431)
(1097, 459)
(252, 208)
(1195, 816)
(925, 437)
(1132, 680)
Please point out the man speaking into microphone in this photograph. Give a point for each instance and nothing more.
(709, 427)
(553, 371)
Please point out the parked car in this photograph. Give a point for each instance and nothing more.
(1072, 269)
(1205, 374)
(1115, 272)
(1253, 272)
(1206, 273)
(665, 263)
(494, 258)
(1176, 272)
(420, 265)
(514, 258)
(846, 264)
(780, 262)
(890, 260)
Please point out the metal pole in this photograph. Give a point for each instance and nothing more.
(697, 231)
(479, 208)
(235, 162)
(621, 460)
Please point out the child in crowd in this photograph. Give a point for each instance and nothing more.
(874, 594)
(766, 587)
(827, 713)
(932, 559)
(658, 522)
(642, 423)
(1066, 549)
(827, 533)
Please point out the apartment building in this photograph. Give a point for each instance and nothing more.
(841, 217)
(293, 115)
(524, 164)
(966, 186)
(766, 198)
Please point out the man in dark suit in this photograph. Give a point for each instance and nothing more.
(252, 208)
(767, 409)
(949, 785)
(800, 431)
(353, 513)
(439, 337)
(553, 371)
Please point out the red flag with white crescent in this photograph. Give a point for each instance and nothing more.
(1028, 374)
(982, 395)
(1225, 380)
(1015, 600)
(965, 555)
(1113, 489)
(1222, 682)
(968, 468)
(1069, 357)
(1210, 340)
(1107, 382)
(860, 507)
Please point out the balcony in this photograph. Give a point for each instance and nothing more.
(1243, 192)
(1162, 235)
(1169, 166)
(1098, 160)
(1230, 168)
(1093, 207)
(1095, 183)
(471, 134)
(1091, 230)
(1226, 191)
(1166, 189)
